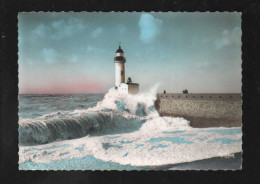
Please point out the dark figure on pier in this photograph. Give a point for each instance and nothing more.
(185, 91)
(164, 92)
(129, 80)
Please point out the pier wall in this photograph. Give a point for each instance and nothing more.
(202, 110)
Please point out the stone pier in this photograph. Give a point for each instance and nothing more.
(203, 109)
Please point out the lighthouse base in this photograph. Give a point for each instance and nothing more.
(125, 88)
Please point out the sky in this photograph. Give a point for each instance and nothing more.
(69, 52)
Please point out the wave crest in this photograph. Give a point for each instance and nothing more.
(45, 131)
(116, 113)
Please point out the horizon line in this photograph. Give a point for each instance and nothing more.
(106, 92)
(55, 93)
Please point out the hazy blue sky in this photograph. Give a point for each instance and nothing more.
(73, 52)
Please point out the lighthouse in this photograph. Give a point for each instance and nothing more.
(129, 87)
(119, 67)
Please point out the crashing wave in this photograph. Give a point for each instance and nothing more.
(45, 131)
(116, 113)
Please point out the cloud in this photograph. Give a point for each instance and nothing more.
(228, 38)
(222, 43)
(40, 31)
(121, 29)
(59, 29)
(150, 27)
(91, 49)
(97, 32)
(205, 40)
(73, 59)
(49, 55)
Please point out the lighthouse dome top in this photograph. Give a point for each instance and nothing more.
(119, 50)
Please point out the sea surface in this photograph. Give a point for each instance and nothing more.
(35, 106)
(112, 132)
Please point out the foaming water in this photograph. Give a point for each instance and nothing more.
(116, 131)
(116, 113)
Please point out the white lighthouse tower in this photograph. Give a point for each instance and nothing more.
(120, 67)
(120, 85)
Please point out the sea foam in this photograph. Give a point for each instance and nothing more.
(122, 129)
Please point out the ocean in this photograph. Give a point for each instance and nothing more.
(112, 132)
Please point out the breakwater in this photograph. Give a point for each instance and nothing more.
(202, 109)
